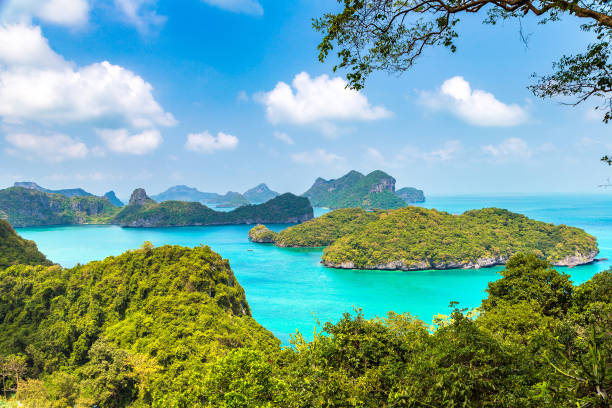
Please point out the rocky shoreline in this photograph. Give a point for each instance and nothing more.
(569, 261)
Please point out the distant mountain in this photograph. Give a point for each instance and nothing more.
(144, 212)
(113, 199)
(231, 199)
(411, 195)
(376, 190)
(70, 192)
(185, 193)
(25, 207)
(260, 194)
(16, 250)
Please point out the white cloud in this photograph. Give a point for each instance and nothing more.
(62, 12)
(313, 100)
(373, 154)
(317, 156)
(447, 151)
(207, 143)
(24, 45)
(55, 148)
(140, 13)
(284, 137)
(121, 141)
(476, 107)
(41, 86)
(512, 148)
(238, 6)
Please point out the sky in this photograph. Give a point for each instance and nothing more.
(225, 94)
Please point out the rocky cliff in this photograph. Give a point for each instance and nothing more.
(375, 190)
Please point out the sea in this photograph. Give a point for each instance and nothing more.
(289, 290)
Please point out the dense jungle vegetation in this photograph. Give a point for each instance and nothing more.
(170, 327)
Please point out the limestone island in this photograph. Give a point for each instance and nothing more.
(142, 211)
(375, 190)
(261, 234)
(415, 238)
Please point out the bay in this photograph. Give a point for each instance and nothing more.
(288, 289)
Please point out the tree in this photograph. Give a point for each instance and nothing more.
(390, 35)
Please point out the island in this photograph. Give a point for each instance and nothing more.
(260, 194)
(414, 238)
(69, 192)
(142, 211)
(411, 195)
(112, 197)
(376, 190)
(27, 207)
(231, 199)
(262, 234)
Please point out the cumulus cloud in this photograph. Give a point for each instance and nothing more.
(140, 13)
(121, 141)
(41, 86)
(251, 7)
(476, 107)
(446, 152)
(206, 143)
(512, 148)
(317, 156)
(284, 137)
(61, 12)
(311, 100)
(55, 148)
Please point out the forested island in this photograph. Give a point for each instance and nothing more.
(171, 327)
(375, 190)
(145, 212)
(25, 207)
(256, 195)
(415, 238)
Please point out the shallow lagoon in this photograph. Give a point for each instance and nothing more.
(288, 289)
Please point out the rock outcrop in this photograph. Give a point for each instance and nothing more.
(139, 197)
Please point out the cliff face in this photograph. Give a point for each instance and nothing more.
(375, 190)
(23, 207)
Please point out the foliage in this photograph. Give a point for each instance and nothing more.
(169, 327)
(373, 35)
(260, 233)
(23, 207)
(489, 361)
(139, 328)
(418, 238)
(16, 250)
(286, 208)
(326, 229)
(376, 190)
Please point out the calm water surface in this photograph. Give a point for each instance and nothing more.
(289, 290)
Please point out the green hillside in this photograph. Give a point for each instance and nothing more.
(417, 238)
(24, 207)
(376, 190)
(16, 250)
(139, 328)
(283, 209)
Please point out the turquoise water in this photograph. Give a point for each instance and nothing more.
(288, 289)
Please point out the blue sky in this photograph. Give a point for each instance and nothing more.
(225, 94)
